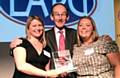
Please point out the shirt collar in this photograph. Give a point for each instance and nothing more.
(57, 30)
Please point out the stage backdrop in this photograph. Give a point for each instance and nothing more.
(13, 14)
(117, 20)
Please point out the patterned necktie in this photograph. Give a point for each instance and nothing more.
(61, 41)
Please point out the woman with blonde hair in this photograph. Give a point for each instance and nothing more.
(32, 56)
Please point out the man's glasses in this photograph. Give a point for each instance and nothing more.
(62, 15)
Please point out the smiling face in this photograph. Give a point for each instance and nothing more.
(35, 28)
(85, 28)
(59, 15)
(86, 31)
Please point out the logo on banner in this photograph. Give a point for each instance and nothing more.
(19, 10)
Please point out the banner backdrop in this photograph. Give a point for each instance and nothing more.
(117, 21)
(13, 15)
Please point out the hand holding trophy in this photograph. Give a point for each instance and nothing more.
(63, 62)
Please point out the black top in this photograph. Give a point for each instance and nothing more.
(33, 58)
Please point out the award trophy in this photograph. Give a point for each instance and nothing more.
(62, 59)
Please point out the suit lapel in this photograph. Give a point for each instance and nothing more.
(53, 40)
(67, 38)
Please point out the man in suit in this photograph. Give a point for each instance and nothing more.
(60, 16)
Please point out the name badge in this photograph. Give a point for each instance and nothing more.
(89, 51)
(47, 53)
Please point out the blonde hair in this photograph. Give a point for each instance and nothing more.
(29, 20)
(94, 34)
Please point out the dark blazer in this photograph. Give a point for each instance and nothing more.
(71, 39)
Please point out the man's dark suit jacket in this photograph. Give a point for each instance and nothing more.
(70, 39)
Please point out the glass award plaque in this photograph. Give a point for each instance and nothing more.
(62, 59)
